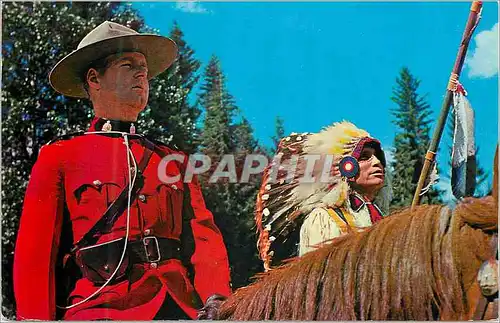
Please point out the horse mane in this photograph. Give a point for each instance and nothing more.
(406, 267)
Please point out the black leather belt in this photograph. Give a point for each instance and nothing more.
(153, 249)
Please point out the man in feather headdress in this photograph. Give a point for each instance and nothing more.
(337, 175)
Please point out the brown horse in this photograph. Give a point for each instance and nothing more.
(413, 265)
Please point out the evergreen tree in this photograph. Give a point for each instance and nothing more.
(411, 140)
(231, 203)
(35, 36)
(219, 106)
(279, 133)
(169, 117)
(244, 198)
(243, 139)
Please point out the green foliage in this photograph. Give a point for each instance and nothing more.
(279, 132)
(169, 117)
(220, 109)
(243, 139)
(231, 203)
(412, 139)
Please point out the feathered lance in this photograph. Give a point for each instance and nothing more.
(474, 16)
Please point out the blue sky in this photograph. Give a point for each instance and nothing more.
(316, 63)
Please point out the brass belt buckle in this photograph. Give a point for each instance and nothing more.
(146, 242)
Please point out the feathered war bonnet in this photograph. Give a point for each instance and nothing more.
(284, 200)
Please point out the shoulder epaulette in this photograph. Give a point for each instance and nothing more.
(66, 137)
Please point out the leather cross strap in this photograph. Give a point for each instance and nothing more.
(344, 221)
(119, 205)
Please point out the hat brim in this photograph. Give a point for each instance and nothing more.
(66, 77)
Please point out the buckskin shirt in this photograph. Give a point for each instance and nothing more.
(79, 178)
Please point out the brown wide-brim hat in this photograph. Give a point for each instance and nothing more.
(106, 39)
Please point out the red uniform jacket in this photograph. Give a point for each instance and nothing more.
(85, 174)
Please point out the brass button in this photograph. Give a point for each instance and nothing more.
(174, 187)
(147, 232)
(97, 182)
(154, 265)
(142, 198)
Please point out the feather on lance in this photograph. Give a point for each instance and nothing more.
(463, 154)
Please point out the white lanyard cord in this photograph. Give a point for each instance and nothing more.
(130, 188)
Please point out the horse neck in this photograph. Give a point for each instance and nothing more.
(463, 249)
(474, 227)
(473, 249)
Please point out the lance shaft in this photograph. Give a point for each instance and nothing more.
(445, 108)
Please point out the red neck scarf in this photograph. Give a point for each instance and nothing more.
(357, 202)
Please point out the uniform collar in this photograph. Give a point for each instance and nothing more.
(101, 124)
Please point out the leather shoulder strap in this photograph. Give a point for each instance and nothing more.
(117, 208)
(343, 219)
